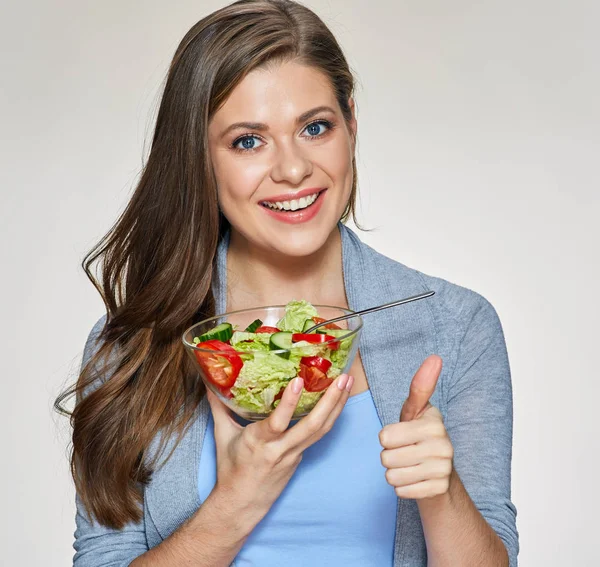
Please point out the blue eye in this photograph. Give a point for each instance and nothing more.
(246, 143)
(314, 129)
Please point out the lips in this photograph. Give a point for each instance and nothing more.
(301, 215)
(293, 195)
(294, 204)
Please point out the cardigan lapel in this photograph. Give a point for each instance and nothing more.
(394, 341)
(393, 344)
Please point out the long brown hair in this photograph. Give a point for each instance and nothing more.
(157, 261)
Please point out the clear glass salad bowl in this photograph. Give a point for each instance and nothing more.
(248, 357)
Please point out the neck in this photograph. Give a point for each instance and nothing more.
(257, 277)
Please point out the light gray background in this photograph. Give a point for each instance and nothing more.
(479, 142)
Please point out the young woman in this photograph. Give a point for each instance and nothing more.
(404, 462)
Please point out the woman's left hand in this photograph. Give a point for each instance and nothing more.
(417, 451)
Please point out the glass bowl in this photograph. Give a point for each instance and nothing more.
(250, 382)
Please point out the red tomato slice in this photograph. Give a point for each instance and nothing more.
(215, 344)
(314, 379)
(318, 320)
(267, 329)
(315, 338)
(318, 362)
(221, 369)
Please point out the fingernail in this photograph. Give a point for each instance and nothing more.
(342, 381)
(297, 384)
(350, 383)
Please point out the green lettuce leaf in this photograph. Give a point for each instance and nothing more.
(259, 400)
(258, 341)
(296, 312)
(261, 379)
(251, 346)
(304, 348)
(308, 400)
(334, 371)
(339, 357)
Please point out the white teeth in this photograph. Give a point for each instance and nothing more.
(293, 205)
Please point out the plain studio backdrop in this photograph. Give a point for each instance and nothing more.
(479, 135)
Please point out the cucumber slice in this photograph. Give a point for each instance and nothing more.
(279, 341)
(253, 326)
(308, 324)
(222, 332)
(334, 332)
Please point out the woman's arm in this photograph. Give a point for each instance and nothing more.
(455, 531)
(418, 455)
(459, 471)
(254, 464)
(212, 537)
(479, 422)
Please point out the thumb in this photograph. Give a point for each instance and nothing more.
(421, 388)
(225, 426)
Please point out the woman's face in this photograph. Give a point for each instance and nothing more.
(280, 142)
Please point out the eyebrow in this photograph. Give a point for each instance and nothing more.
(261, 127)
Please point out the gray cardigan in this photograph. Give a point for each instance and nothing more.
(474, 395)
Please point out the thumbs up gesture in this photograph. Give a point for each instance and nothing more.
(417, 451)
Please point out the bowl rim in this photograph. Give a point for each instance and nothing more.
(277, 351)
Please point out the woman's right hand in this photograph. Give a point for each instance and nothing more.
(254, 463)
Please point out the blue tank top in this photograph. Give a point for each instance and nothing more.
(337, 510)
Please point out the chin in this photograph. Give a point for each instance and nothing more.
(297, 243)
(299, 248)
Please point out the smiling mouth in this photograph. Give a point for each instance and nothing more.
(293, 205)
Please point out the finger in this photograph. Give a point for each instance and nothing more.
(421, 388)
(412, 455)
(429, 470)
(401, 434)
(424, 489)
(225, 425)
(279, 420)
(331, 419)
(315, 420)
(337, 410)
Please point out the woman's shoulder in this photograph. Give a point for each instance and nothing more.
(465, 324)
(92, 343)
(102, 368)
(454, 307)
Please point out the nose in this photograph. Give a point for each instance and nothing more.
(290, 165)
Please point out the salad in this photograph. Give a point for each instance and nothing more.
(253, 366)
